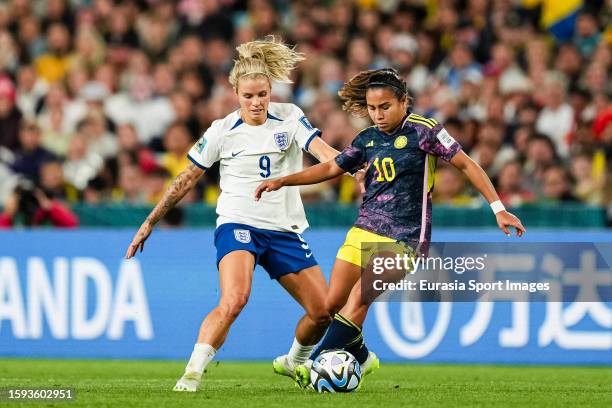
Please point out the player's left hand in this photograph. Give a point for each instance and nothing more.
(269, 185)
(506, 219)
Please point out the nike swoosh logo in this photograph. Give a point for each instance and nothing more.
(237, 153)
(308, 255)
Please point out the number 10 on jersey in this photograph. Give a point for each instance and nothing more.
(264, 164)
(388, 169)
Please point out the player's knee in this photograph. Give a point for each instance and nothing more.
(320, 316)
(233, 305)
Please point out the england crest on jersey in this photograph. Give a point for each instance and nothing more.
(282, 140)
(243, 236)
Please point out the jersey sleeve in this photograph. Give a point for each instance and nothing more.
(352, 157)
(438, 142)
(305, 132)
(207, 149)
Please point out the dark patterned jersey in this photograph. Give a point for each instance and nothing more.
(399, 177)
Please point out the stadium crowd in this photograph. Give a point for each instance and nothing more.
(100, 100)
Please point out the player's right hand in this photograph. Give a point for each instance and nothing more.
(506, 219)
(269, 185)
(139, 239)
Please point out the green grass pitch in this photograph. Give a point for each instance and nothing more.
(235, 384)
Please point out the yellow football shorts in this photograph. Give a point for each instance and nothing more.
(360, 245)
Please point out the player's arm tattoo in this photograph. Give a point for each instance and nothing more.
(177, 190)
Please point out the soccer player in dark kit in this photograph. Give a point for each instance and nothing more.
(400, 153)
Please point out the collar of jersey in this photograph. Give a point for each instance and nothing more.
(240, 121)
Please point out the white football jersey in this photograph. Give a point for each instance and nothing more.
(249, 155)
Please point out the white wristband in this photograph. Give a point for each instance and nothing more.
(497, 206)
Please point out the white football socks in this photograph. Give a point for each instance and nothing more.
(200, 357)
(298, 354)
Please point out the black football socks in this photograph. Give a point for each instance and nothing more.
(343, 334)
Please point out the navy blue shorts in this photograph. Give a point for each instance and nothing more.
(279, 253)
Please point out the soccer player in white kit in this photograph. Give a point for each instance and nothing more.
(260, 140)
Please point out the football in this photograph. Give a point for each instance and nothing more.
(335, 371)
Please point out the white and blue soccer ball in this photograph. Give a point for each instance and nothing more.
(335, 371)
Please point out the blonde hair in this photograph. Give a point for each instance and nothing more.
(268, 57)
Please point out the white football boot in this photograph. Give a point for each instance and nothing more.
(188, 382)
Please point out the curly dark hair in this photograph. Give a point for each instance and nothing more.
(353, 93)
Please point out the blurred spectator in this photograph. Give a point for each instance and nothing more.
(450, 188)
(206, 18)
(151, 115)
(31, 155)
(527, 115)
(57, 102)
(510, 185)
(484, 154)
(177, 143)
(95, 192)
(460, 65)
(519, 141)
(541, 154)
(587, 34)
(55, 137)
(30, 206)
(184, 111)
(53, 65)
(10, 116)
(99, 139)
(90, 48)
(58, 11)
(30, 39)
(128, 141)
(491, 134)
(589, 184)
(120, 36)
(81, 166)
(337, 129)
(569, 61)
(130, 186)
(52, 182)
(156, 182)
(163, 80)
(30, 90)
(556, 185)
(557, 118)
(9, 57)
